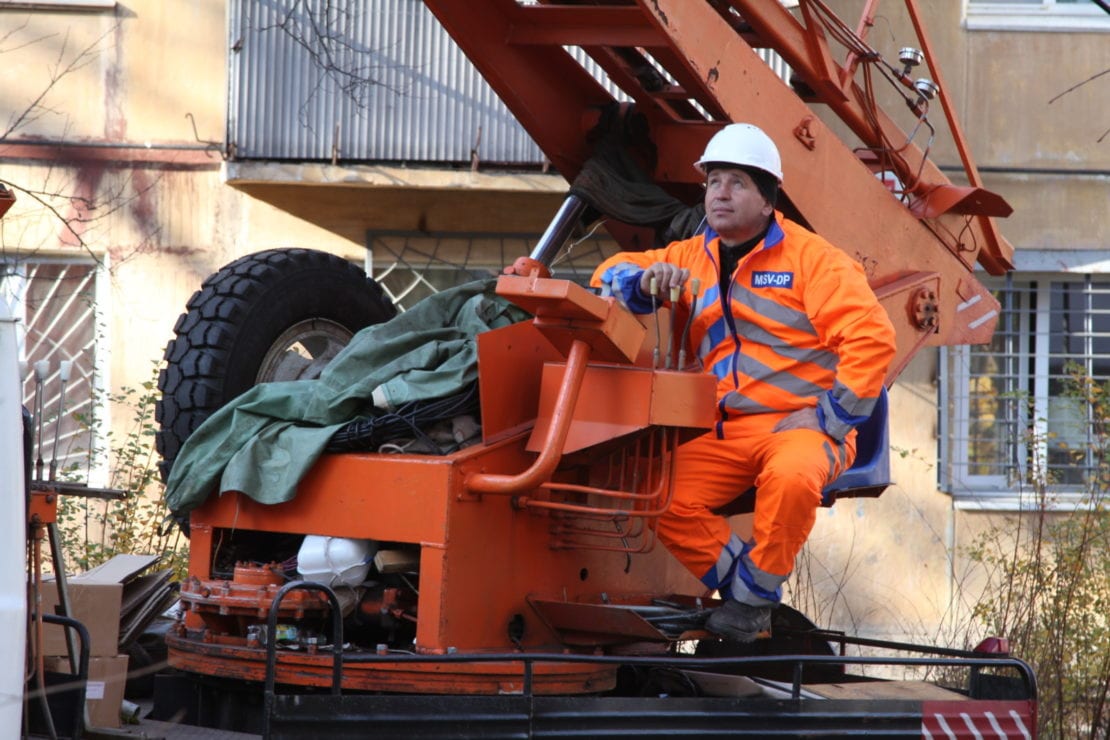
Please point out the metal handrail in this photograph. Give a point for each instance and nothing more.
(271, 643)
(798, 662)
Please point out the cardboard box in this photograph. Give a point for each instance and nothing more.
(95, 605)
(96, 599)
(104, 690)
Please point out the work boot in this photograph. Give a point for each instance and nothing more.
(739, 622)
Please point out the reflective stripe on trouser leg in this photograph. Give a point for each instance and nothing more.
(720, 576)
(737, 578)
(750, 585)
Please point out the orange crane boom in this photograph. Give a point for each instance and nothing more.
(690, 67)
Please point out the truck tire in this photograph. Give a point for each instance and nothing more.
(281, 314)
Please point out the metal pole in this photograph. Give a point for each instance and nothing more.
(559, 230)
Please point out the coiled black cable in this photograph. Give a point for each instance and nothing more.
(409, 420)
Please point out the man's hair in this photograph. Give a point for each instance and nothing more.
(767, 183)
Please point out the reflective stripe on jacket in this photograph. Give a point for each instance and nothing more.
(803, 329)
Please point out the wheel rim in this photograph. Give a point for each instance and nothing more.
(303, 350)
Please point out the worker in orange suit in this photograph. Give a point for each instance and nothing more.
(800, 348)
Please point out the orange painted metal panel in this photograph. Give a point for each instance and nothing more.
(398, 498)
(43, 508)
(301, 669)
(510, 364)
(541, 468)
(497, 555)
(683, 399)
(547, 297)
(618, 400)
(546, 90)
(566, 313)
(613, 402)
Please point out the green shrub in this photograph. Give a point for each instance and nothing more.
(93, 530)
(1049, 587)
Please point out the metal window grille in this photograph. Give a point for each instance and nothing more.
(412, 265)
(55, 299)
(1014, 412)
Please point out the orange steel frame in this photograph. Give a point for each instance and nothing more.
(921, 252)
(533, 519)
(497, 525)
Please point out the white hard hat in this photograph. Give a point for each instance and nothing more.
(743, 144)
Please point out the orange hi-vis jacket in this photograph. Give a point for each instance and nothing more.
(799, 327)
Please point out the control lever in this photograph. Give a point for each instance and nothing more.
(63, 374)
(695, 288)
(42, 367)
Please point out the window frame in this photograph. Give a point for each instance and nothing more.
(81, 5)
(1025, 366)
(1043, 15)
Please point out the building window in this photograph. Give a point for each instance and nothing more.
(55, 302)
(1013, 420)
(1036, 15)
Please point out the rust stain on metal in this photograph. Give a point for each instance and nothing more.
(870, 264)
(659, 13)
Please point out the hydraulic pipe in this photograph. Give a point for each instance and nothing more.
(61, 582)
(559, 230)
(561, 416)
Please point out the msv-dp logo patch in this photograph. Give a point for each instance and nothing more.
(767, 279)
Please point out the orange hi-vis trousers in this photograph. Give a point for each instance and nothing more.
(788, 469)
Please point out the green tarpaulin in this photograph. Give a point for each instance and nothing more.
(263, 442)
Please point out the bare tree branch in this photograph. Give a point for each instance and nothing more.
(1079, 85)
(67, 202)
(15, 32)
(324, 34)
(60, 69)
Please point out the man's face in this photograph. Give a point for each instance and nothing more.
(733, 205)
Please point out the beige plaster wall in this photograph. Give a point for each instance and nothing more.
(130, 74)
(1056, 210)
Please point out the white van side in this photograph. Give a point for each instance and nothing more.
(13, 530)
